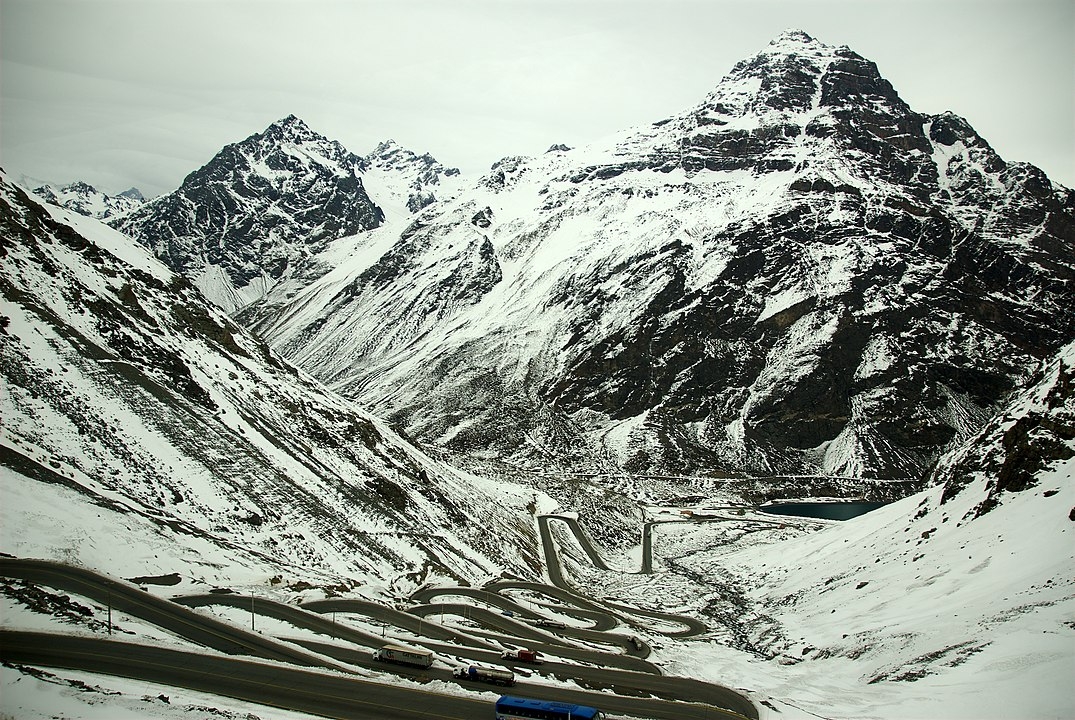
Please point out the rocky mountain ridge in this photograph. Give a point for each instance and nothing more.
(964, 589)
(799, 275)
(406, 179)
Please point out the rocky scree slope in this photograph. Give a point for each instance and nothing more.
(799, 275)
(246, 219)
(144, 431)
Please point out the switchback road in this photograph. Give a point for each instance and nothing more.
(333, 696)
(635, 676)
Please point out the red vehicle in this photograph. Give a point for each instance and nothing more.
(529, 656)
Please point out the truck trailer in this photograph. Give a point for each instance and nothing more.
(495, 676)
(404, 656)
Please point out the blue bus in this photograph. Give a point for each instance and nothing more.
(516, 708)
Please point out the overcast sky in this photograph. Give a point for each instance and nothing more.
(141, 92)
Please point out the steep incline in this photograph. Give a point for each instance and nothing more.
(956, 602)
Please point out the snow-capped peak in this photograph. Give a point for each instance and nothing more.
(83, 198)
(134, 194)
(793, 39)
(292, 128)
(403, 182)
(778, 280)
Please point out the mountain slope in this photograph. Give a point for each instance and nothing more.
(143, 431)
(799, 275)
(242, 222)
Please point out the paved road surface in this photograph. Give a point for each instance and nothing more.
(282, 686)
(414, 623)
(244, 678)
(126, 598)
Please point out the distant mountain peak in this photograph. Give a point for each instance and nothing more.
(416, 179)
(85, 199)
(793, 36)
(390, 152)
(386, 146)
(80, 186)
(826, 282)
(292, 122)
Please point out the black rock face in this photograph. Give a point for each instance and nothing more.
(259, 206)
(947, 307)
(1034, 433)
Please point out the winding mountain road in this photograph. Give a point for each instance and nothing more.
(124, 597)
(619, 675)
(290, 688)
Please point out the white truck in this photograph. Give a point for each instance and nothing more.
(496, 676)
(403, 656)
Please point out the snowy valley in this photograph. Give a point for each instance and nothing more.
(544, 407)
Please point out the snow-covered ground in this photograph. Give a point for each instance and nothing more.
(876, 617)
(882, 616)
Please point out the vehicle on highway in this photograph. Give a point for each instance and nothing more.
(403, 656)
(550, 623)
(495, 676)
(516, 708)
(530, 656)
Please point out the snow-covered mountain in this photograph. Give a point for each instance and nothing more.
(801, 274)
(246, 219)
(87, 200)
(403, 182)
(956, 602)
(145, 431)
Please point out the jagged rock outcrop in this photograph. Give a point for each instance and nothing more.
(407, 178)
(1032, 439)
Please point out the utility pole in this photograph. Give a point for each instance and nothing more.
(251, 610)
(109, 612)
